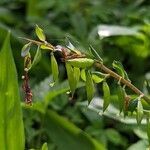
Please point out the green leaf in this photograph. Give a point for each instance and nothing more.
(67, 136)
(95, 54)
(71, 78)
(25, 50)
(54, 66)
(89, 86)
(139, 113)
(120, 69)
(106, 97)
(44, 146)
(11, 122)
(98, 76)
(37, 57)
(121, 97)
(40, 34)
(81, 62)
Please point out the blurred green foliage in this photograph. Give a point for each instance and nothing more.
(119, 30)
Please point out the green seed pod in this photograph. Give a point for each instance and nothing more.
(81, 62)
(71, 79)
(133, 105)
(106, 97)
(54, 67)
(89, 86)
(121, 97)
(139, 113)
(25, 50)
(76, 75)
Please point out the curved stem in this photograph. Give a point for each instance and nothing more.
(101, 66)
(122, 80)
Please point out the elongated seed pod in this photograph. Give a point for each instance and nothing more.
(89, 86)
(106, 96)
(81, 62)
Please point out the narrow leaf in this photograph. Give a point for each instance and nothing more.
(120, 69)
(37, 57)
(121, 97)
(139, 115)
(39, 32)
(106, 97)
(44, 146)
(54, 66)
(89, 86)
(25, 50)
(11, 122)
(71, 79)
(95, 54)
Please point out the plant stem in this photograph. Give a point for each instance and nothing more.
(101, 66)
(122, 80)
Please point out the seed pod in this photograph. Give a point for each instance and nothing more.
(106, 97)
(81, 62)
(27, 61)
(54, 67)
(39, 33)
(76, 75)
(89, 86)
(71, 79)
(139, 113)
(121, 97)
(83, 76)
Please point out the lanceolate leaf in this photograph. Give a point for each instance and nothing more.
(106, 96)
(11, 123)
(71, 79)
(120, 69)
(89, 86)
(39, 33)
(37, 57)
(81, 62)
(121, 97)
(44, 146)
(95, 54)
(139, 114)
(54, 67)
(25, 50)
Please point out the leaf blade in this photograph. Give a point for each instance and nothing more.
(10, 109)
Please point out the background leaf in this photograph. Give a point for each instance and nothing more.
(11, 123)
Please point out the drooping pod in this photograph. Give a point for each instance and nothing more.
(89, 86)
(106, 95)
